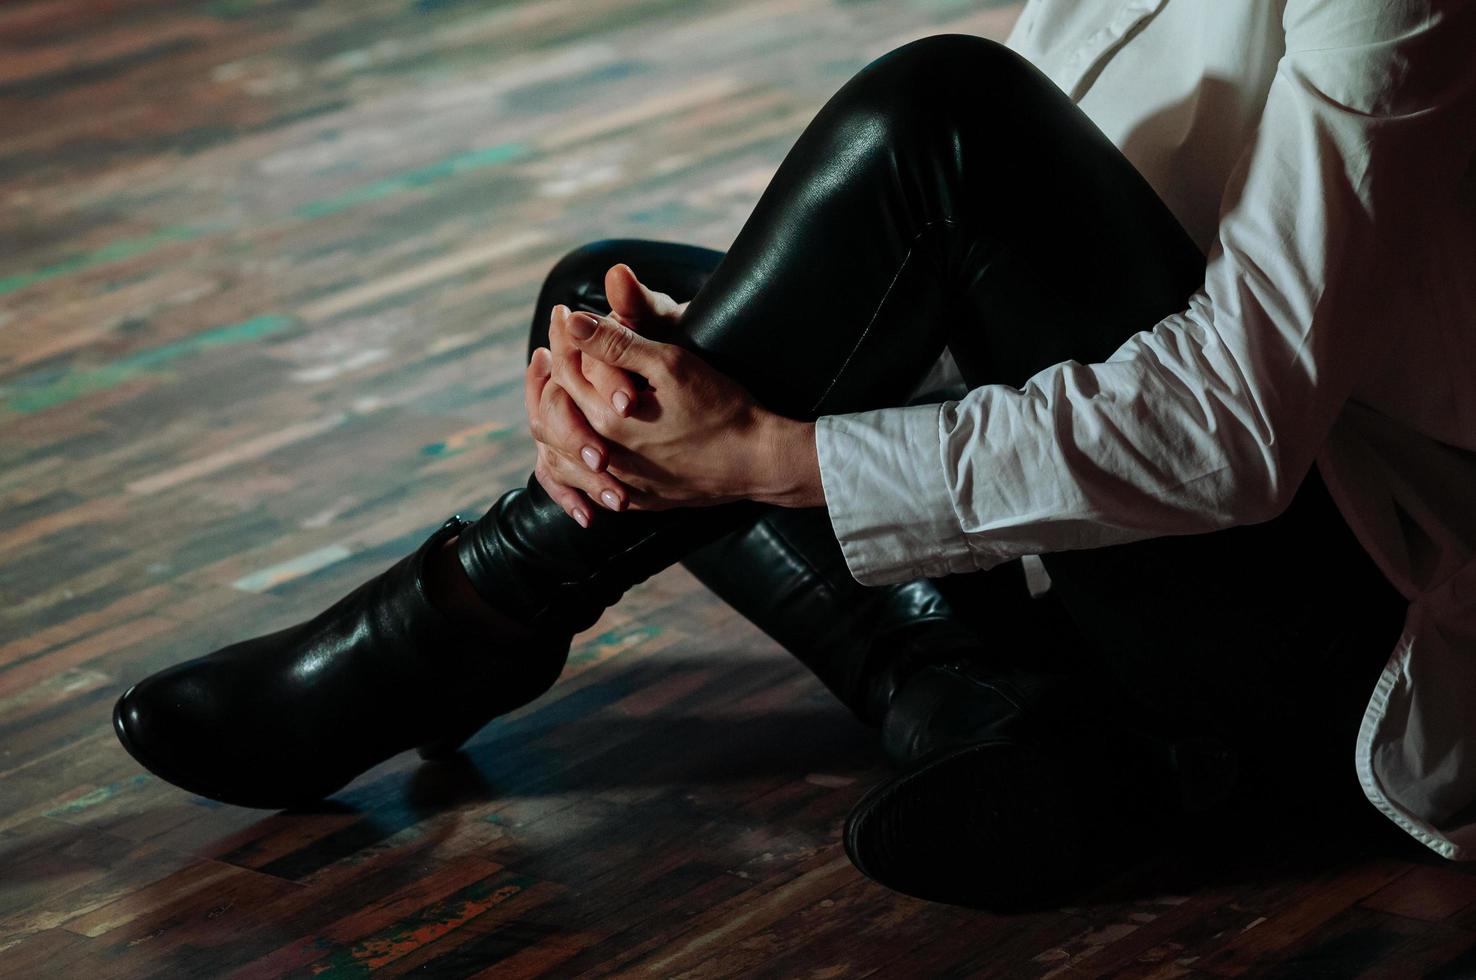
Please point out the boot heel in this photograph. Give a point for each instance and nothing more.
(451, 743)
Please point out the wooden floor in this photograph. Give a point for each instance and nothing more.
(266, 271)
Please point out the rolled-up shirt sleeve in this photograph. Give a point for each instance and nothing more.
(1211, 417)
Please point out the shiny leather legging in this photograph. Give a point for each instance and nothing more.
(950, 194)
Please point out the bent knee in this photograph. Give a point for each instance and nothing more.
(953, 58)
(945, 76)
(571, 276)
(584, 261)
(972, 49)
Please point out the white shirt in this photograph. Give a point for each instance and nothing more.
(1323, 153)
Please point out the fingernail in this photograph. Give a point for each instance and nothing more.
(582, 326)
(581, 517)
(611, 501)
(621, 401)
(591, 458)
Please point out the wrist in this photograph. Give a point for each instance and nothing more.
(786, 463)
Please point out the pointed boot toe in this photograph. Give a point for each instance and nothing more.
(290, 717)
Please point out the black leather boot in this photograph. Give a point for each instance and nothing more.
(786, 574)
(1017, 787)
(288, 718)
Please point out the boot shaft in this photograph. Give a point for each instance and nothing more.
(786, 574)
(528, 559)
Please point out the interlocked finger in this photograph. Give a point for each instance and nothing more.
(576, 453)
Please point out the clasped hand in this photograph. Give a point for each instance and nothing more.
(623, 419)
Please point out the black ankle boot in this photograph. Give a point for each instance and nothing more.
(290, 717)
(984, 813)
(1017, 788)
(786, 574)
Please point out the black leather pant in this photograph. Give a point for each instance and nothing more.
(950, 194)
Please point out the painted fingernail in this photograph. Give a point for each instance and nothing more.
(621, 401)
(582, 326)
(611, 501)
(591, 458)
(581, 517)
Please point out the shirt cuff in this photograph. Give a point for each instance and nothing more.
(885, 487)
